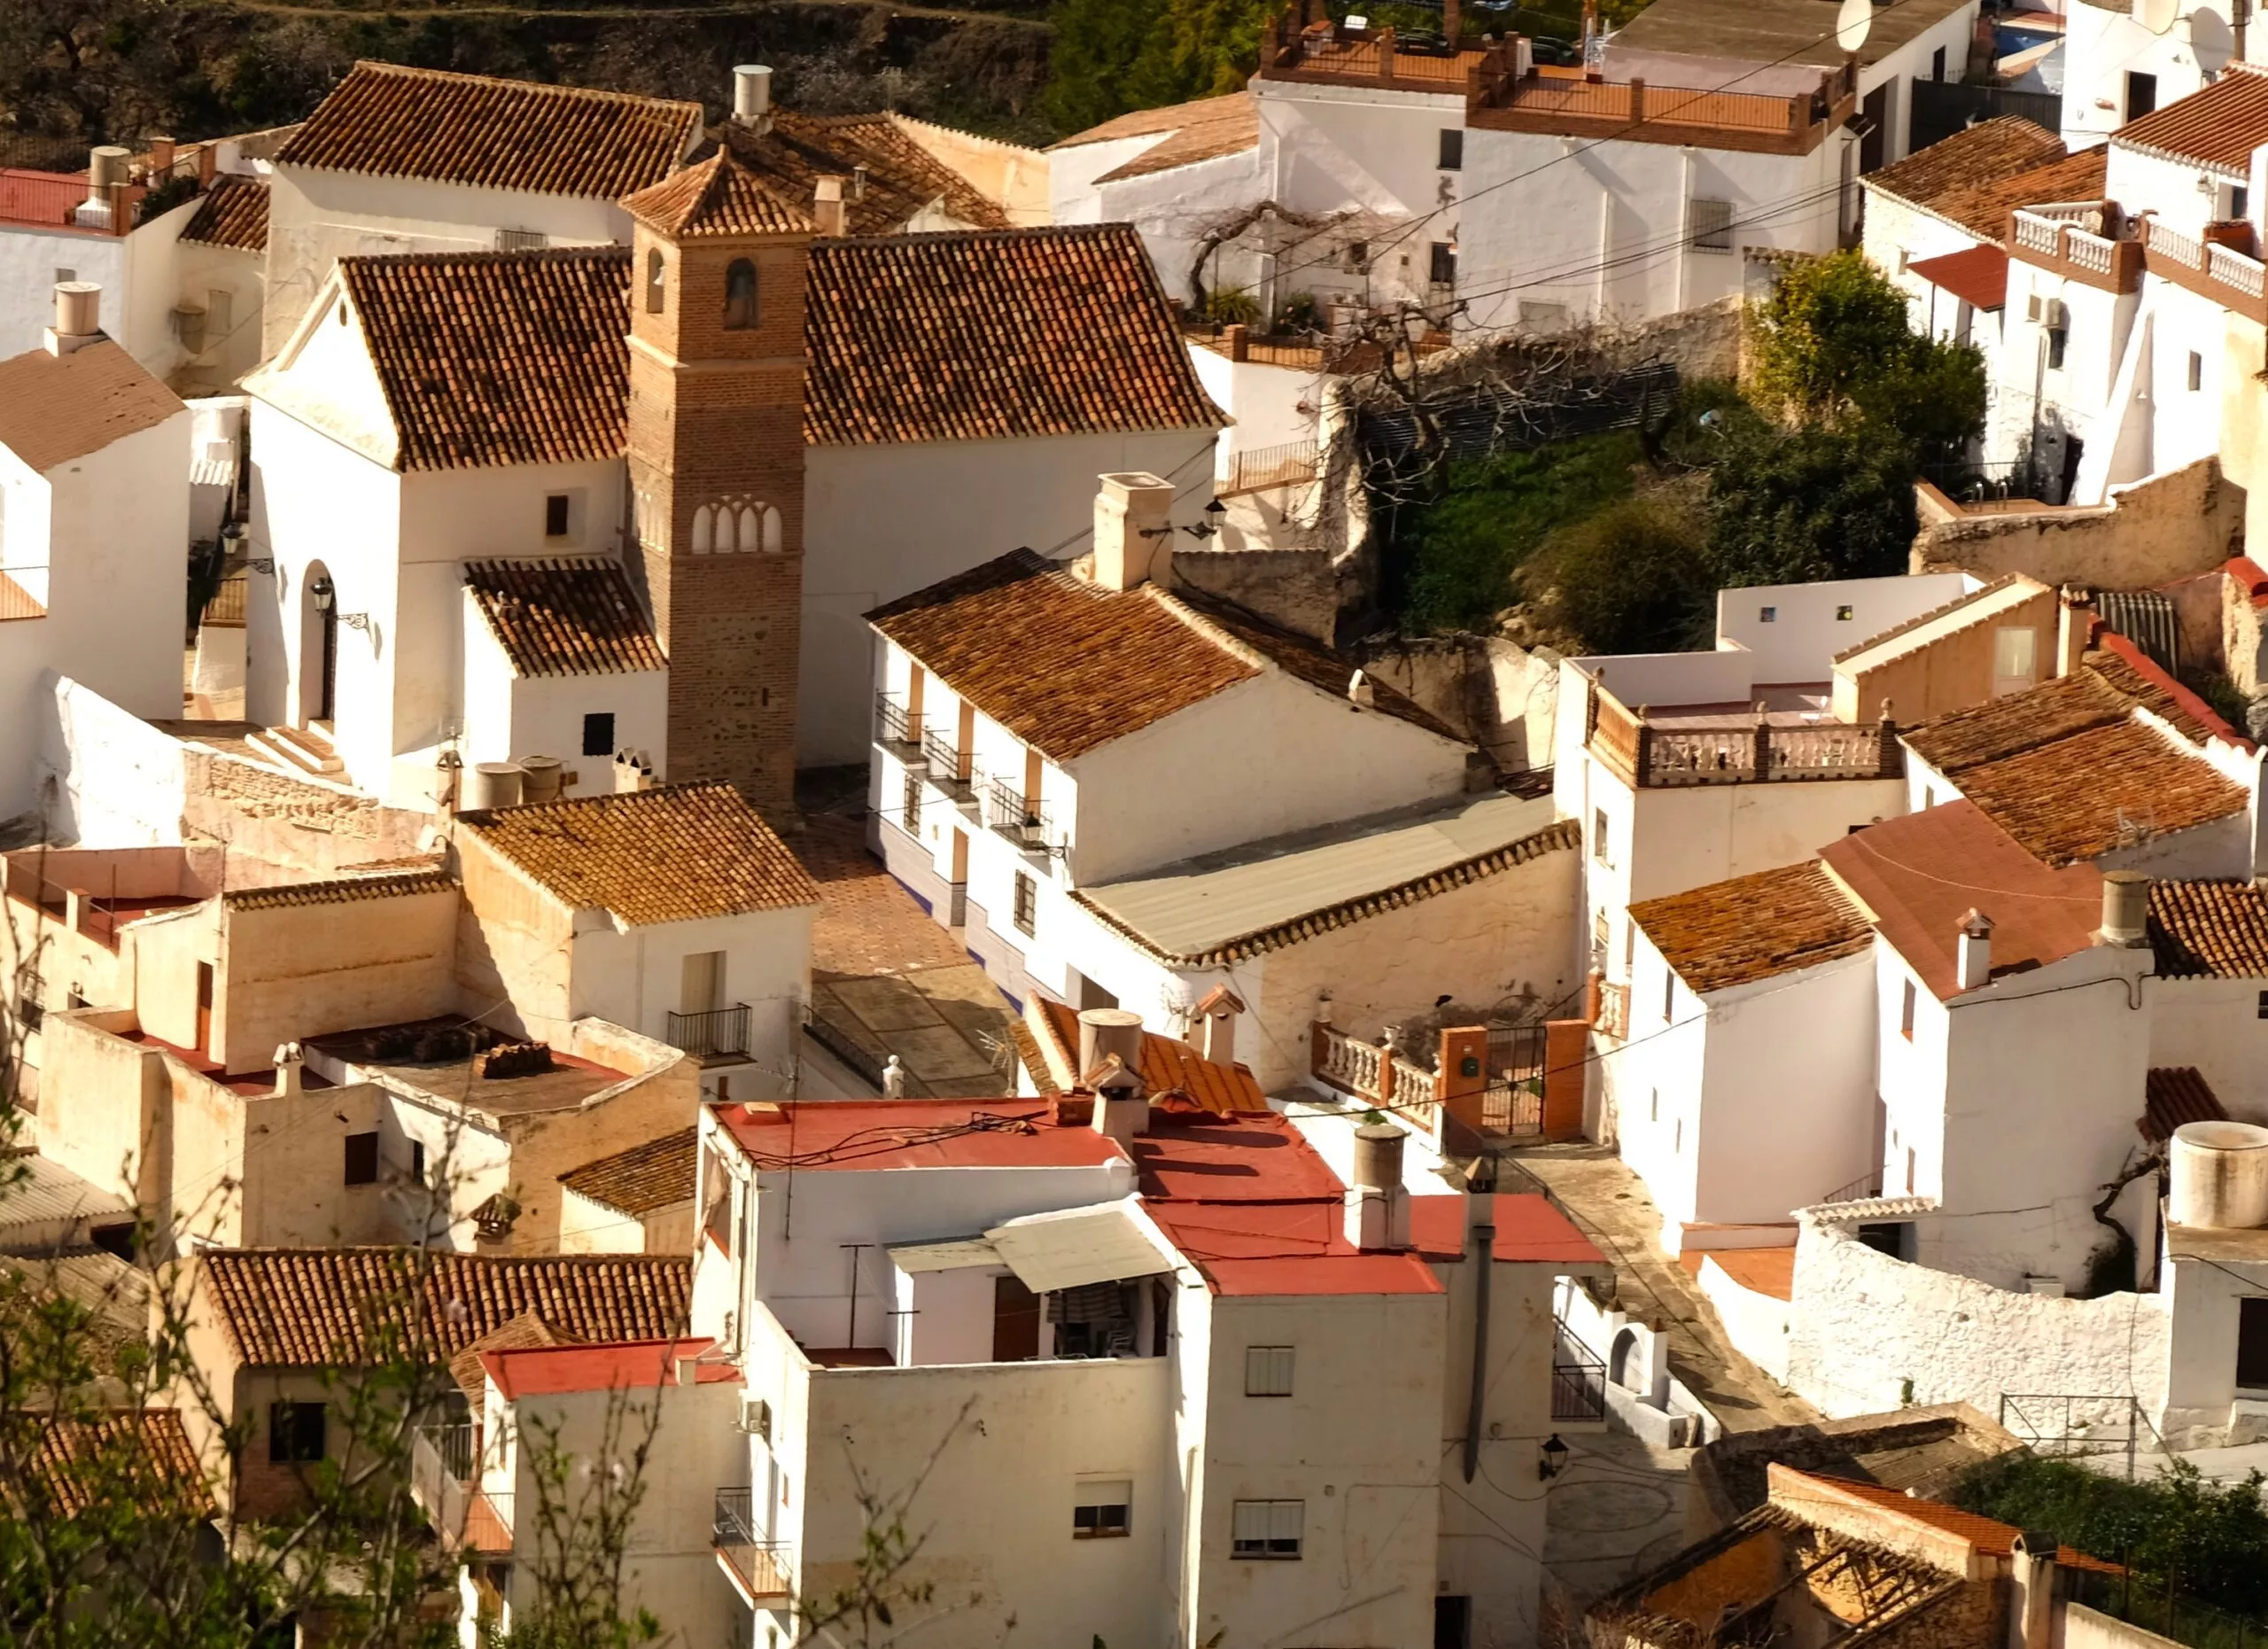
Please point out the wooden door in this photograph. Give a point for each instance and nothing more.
(1016, 1321)
(204, 1007)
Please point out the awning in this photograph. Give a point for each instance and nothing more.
(1077, 1246)
(1980, 275)
(954, 1254)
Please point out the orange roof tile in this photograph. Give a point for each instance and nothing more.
(1168, 1065)
(71, 1465)
(565, 616)
(656, 1175)
(1989, 152)
(498, 357)
(1978, 274)
(902, 178)
(871, 1136)
(1992, 1537)
(2202, 930)
(623, 1365)
(1203, 131)
(2109, 787)
(718, 197)
(315, 1307)
(343, 889)
(2219, 127)
(2173, 1095)
(390, 120)
(2103, 690)
(233, 214)
(992, 335)
(54, 409)
(1983, 208)
(1750, 928)
(675, 854)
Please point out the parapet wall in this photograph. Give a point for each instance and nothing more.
(2149, 534)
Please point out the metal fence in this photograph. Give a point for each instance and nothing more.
(1940, 108)
(2166, 1610)
(1578, 1378)
(717, 1033)
(2065, 1424)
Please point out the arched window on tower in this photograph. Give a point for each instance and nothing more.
(655, 281)
(740, 295)
(705, 526)
(771, 530)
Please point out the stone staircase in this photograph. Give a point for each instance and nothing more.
(299, 750)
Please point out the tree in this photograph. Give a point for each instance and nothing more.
(1632, 578)
(1788, 507)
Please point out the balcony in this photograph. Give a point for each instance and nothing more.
(443, 1481)
(717, 1037)
(2087, 241)
(1023, 822)
(2218, 264)
(896, 728)
(1651, 749)
(758, 1568)
(948, 766)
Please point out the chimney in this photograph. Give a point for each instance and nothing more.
(1121, 1105)
(1107, 1030)
(688, 1370)
(1360, 693)
(1130, 524)
(2126, 910)
(752, 96)
(633, 770)
(289, 1066)
(1378, 1204)
(78, 317)
(2032, 1621)
(208, 156)
(828, 210)
(1215, 1025)
(857, 183)
(2074, 624)
(161, 157)
(1974, 966)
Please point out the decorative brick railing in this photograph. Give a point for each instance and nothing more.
(2079, 240)
(1654, 758)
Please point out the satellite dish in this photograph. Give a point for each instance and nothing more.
(2211, 39)
(2156, 15)
(1856, 19)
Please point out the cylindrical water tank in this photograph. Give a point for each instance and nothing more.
(2220, 1175)
(1377, 1156)
(494, 784)
(1107, 1030)
(541, 778)
(77, 308)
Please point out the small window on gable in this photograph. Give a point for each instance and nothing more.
(1713, 224)
(740, 295)
(417, 1161)
(657, 281)
(1268, 1371)
(1767, 615)
(362, 1159)
(295, 1432)
(555, 516)
(1027, 905)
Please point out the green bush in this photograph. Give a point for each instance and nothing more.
(1298, 313)
(1786, 507)
(1232, 307)
(1632, 578)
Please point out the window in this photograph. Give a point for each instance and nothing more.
(2015, 652)
(555, 516)
(1267, 1528)
(1937, 64)
(1542, 317)
(1909, 1171)
(1842, 615)
(1099, 1512)
(1452, 149)
(1653, 1105)
(2057, 336)
(598, 733)
(740, 295)
(362, 1159)
(1443, 272)
(2141, 95)
(1905, 1012)
(1767, 615)
(295, 1431)
(2196, 372)
(2263, 1005)
(1929, 797)
(30, 1011)
(1268, 1371)
(1027, 903)
(2239, 201)
(1598, 835)
(2252, 1344)
(1357, 256)
(417, 1161)
(1677, 1139)
(1713, 224)
(909, 812)
(1669, 994)
(657, 281)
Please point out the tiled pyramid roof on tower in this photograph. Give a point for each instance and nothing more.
(720, 197)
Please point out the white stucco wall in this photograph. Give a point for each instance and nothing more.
(2202, 1391)
(2101, 47)
(1807, 629)
(507, 716)
(2214, 1024)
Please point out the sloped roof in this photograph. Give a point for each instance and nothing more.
(70, 1466)
(2209, 930)
(390, 120)
(1979, 156)
(498, 357)
(54, 409)
(233, 214)
(2079, 798)
(318, 1307)
(656, 1175)
(992, 335)
(675, 854)
(2217, 127)
(2105, 689)
(1987, 1535)
(342, 889)
(2175, 1095)
(1978, 274)
(1203, 131)
(718, 197)
(1983, 208)
(560, 616)
(1751, 927)
(902, 178)
(1168, 1065)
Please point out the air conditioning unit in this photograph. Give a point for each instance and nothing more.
(756, 1416)
(2032, 307)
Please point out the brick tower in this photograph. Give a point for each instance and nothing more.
(716, 454)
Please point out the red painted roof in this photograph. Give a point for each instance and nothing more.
(625, 1365)
(1242, 1158)
(1979, 273)
(875, 1134)
(1529, 1231)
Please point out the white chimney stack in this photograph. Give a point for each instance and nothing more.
(1131, 523)
(1215, 1025)
(2126, 910)
(1974, 968)
(78, 317)
(829, 210)
(1378, 1204)
(1122, 1103)
(688, 1370)
(752, 96)
(289, 1070)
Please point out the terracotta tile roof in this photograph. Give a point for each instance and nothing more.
(498, 357)
(903, 179)
(54, 409)
(313, 1307)
(657, 1174)
(718, 196)
(342, 889)
(1987, 1535)
(70, 1465)
(2176, 1095)
(1978, 274)
(676, 853)
(1750, 928)
(2105, 788)
(1060, 664)
(1979, 156)
(2219, 127)
(389, 121)
(2103, 690)
(527, 1329)
(2205, 930)
(1168, 1064)
(1311, 662)
(992, 335)
(1202, 130)
(565, 616)
(2128, 669)
(233, 214)
(1983, 208)
(1564, 836)
(1919, 875)
(1985, 597)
